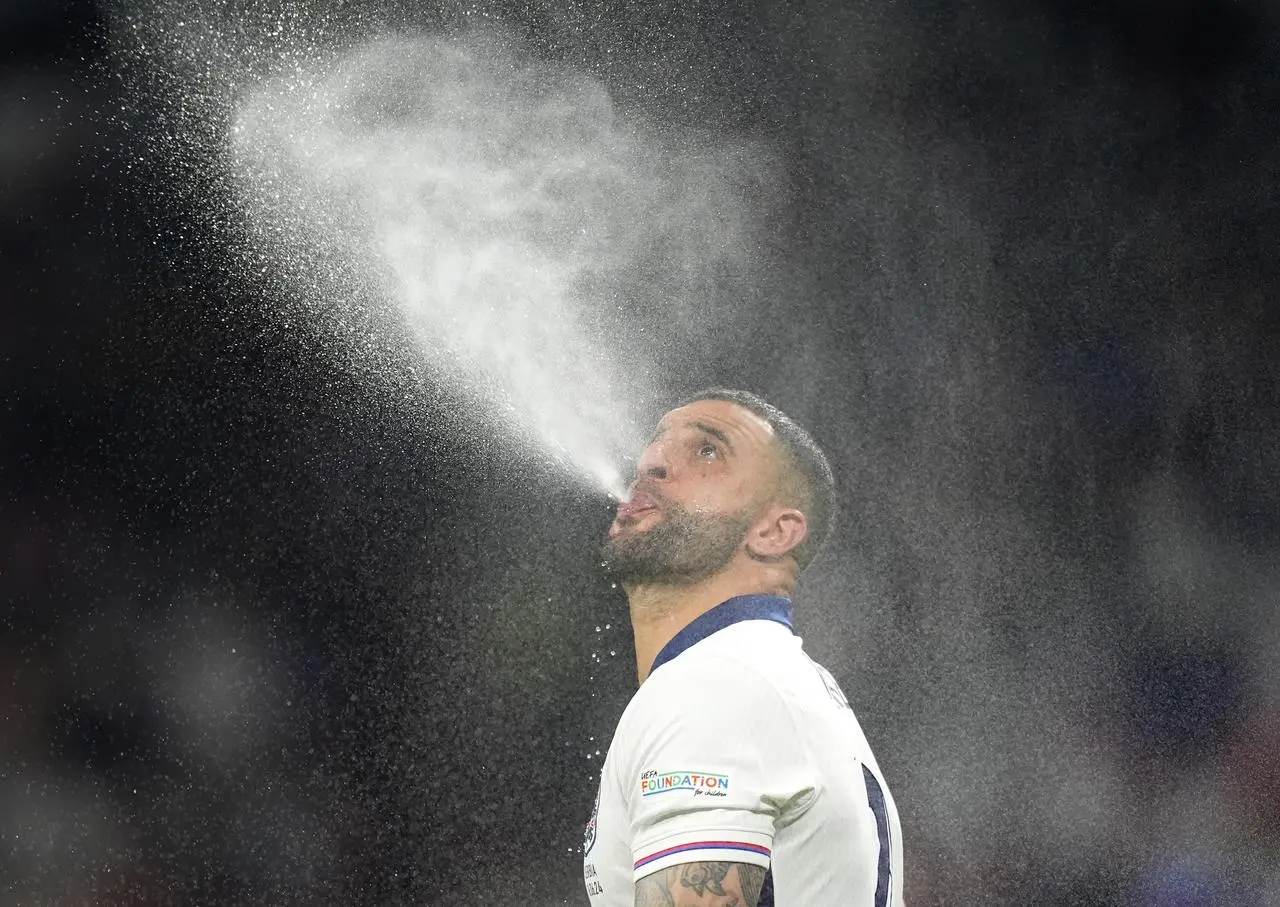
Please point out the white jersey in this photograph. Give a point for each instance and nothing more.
(739, 748)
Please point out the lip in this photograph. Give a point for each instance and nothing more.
(639, 503)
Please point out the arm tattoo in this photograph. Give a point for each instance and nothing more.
(703, 884)
(653, 891)
(751, 880)
(704, 877)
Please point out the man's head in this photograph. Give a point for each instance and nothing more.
(728, 479)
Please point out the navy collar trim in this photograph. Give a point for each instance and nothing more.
(727, 613)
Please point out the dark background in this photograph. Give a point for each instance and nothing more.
(269, 640)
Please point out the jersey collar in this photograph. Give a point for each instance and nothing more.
(738, 608)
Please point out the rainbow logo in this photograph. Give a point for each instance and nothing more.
(700, 782)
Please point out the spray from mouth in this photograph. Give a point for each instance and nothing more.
(610, 480)
(510, 219)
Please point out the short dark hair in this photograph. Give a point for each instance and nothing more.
(803, 460)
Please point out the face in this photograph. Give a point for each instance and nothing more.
(700, 486)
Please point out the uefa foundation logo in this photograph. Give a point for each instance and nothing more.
(706, 784)
(589, 833)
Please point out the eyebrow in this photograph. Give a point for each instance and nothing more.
(715, 433)
(702, 426)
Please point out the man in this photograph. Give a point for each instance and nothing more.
(738, 773)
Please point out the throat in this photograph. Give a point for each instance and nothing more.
(659, 612)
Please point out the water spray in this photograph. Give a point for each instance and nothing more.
(455, 202)
(504, 209)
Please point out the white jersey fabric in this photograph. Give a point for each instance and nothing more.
(740, 748)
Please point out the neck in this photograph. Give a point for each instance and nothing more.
(659, 611)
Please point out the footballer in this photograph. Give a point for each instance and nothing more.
(738, 776)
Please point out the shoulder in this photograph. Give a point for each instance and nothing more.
(698, 676)
(718, 693)
(758, 656)
(753, 675)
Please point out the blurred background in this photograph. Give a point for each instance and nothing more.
(269, 638)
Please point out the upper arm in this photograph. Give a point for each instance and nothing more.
(702, 885)
(706, 782)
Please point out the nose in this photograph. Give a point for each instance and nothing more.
(653, 463)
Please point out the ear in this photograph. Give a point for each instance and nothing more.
(777, 533)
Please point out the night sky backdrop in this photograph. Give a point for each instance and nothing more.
(282, 625)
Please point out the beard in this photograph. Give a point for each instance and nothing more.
(684, 548)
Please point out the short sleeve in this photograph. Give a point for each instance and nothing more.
(712, 761)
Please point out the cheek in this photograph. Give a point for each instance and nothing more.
(720, 497)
